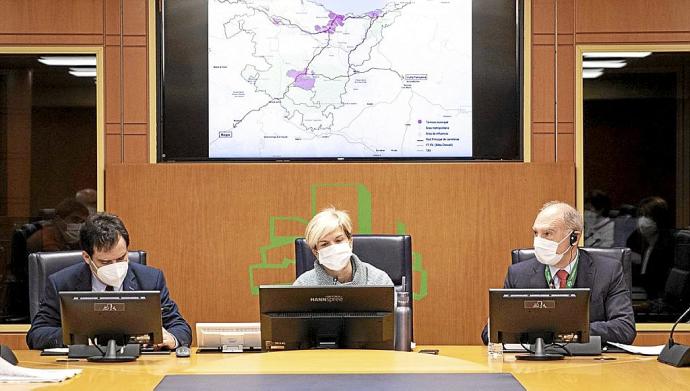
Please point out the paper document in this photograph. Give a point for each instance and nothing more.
(643, 350)
(15, 374)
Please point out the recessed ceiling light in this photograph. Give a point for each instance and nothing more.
(68, 60)
(603, 64)
(592, 73)
(617, 54)
(83, 73)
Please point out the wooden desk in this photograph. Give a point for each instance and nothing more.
(625, 372)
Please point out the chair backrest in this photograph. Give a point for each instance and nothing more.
(620, 254)
(43, 264)
(390, 253)
(677, 286)
(681, 251)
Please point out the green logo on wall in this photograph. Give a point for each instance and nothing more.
(364, 220)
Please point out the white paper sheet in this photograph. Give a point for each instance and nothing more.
(15, 374)
(643, 350)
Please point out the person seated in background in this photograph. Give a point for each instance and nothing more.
(88, 197)
(329, 235)
(599, 227)
(104, 241)
(62, 233)
(559, 264)
(652, 245)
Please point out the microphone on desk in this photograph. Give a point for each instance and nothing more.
(673, 353)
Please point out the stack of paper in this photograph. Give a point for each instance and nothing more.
(643, 350)
(16, 374)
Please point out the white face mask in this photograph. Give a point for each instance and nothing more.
(336, 256)
(546, 250)
(112, 274)
(71, 233)
(646, 225)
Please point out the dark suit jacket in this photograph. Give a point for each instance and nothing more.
(610, 309)
(45, 329)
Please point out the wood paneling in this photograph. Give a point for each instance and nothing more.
(543, 84)
(464, 220)
(543, 147)
(113, 149)
(136, 148)
(112, 84)
(113, 16)
(135, 14)
(543, 16)
(566, 147)
(51, 17)
(660, 338)
(566, 83)
(135, 85)
(613, 16)
(15, 341)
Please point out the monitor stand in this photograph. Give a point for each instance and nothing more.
(539, 353)
(111, 355)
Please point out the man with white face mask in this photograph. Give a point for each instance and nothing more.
(329, 235)
(560, 264)
(104, 240)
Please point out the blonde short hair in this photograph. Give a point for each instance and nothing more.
(325, 222)
(571, 217)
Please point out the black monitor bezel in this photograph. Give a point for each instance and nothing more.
(148, 314)
(504, 318)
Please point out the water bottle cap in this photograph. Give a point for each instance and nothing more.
(403, 297)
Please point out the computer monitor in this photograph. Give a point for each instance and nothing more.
(539, 316)
(113, 318)
(306, 317)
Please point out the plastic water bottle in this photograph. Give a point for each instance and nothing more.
(403, 322)
(494, 349)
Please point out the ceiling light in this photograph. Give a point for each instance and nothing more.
(83, 73)
(617, 54)
(83, 69)
(592, 73)
(68, 60)
(603, 64)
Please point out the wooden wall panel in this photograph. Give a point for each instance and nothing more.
(543, 147)
(113, 149)
(135, 85)
(136, 148)
(543, 85)
(15, 341)
(135, 16)
(51, 17)
(625, 16)
(464, 220)
(112, 84)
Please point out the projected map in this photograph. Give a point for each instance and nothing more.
(340, 79)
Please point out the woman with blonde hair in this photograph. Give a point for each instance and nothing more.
(329, 235)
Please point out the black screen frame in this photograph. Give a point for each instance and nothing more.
(178, 144)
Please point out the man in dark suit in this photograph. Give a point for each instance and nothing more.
(104, 241)
(560, 264)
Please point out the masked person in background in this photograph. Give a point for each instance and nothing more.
(62, 233)
(104, 241)
(599, 227)
(560, 264)
(329, 235)
(652, 246)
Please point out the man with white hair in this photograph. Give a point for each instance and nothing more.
(560, 264)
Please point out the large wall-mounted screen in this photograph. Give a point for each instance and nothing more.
(339, 80)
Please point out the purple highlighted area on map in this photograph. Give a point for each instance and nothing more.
(374, 14)
(302, 79)
(335, 21)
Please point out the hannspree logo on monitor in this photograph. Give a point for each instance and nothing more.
(327, 299)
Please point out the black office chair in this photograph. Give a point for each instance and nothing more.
(390, 253)
(620, 254)
(16, 276)
(43, 264)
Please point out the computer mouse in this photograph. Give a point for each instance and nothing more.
(183, 351)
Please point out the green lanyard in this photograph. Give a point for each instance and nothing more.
(570, 282)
